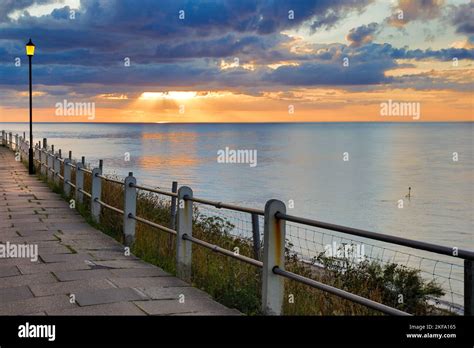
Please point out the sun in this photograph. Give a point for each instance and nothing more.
(174, 95)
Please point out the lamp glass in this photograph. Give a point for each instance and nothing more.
(30, 50)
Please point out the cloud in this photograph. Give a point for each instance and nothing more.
(463, 19)
(85, 55)
(7, 7)
(411, 10)
(332, 73)
(362, 35)
(328, 16)
(107, 31)
(253, 46)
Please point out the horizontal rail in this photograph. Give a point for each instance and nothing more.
(220, 205)
(70, 184)
(105, 205)
(110, 179)
(340, 293)
(70, 164)
(60, 176)
(85, 193)
(85, 170)
(152, 224)
(439, 249)
(161, 192)
(223, 251)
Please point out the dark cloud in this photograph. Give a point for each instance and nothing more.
(463, 19)
(362, 35)
(206, 17)
(328, 16)
(148, 31)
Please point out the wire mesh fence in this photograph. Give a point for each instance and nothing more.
(307, 243)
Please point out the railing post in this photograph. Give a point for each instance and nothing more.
(3, 138)
(35, 154)
(16, 143)
(57, 168)
(174, 189)
(468, 287)
(96, 190)
(39, 150)
(36, 151)
(41, 160)
(11, 141)
(67, 177)
(79, 182)
(50, 163)
(129, 209)
(185, 228)
(273, 285)
(256, 236)
(44, 156)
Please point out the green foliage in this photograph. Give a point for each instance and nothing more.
(396, 285)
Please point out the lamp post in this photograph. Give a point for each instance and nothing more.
(30, 51)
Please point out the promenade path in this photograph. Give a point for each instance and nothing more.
(76, 259)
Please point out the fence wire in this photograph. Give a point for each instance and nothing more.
(309, 242)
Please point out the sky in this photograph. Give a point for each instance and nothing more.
(238, 61)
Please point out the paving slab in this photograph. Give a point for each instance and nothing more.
(180, 306)
(111, 295)
(29, 279)
(8, 271)
(15, 294)
(118, 308)
(36, 304)
(72, 287)
(148, 282)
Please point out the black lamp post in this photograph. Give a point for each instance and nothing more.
(30, 51)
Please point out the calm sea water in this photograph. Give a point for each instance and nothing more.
(302, 163)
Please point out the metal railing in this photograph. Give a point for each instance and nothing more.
(275, 218)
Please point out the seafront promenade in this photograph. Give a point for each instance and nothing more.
(53, 263)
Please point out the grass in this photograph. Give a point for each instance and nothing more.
(238, 285)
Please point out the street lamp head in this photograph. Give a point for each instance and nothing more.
(30, 48)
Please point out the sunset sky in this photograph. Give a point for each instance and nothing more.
(238, 61)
